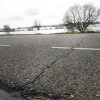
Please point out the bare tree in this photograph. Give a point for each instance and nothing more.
(6, 28)
(37, 24)
(81, 16)
(70, 26)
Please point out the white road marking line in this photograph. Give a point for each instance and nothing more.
(1, 45)
(61, 47)
(96, 49)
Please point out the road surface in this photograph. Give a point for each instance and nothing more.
(53, 67)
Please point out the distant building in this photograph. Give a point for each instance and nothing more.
(30, 29)
(94, 27)
(21, 29)
(1, 30)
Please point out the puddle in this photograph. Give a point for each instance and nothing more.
(6, 96)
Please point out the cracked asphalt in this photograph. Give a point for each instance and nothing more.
(34, 70)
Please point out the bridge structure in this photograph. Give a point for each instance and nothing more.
(59, 26)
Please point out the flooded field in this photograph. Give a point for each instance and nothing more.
(38, 31)
(49, 31)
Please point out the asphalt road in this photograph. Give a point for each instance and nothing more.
(31, 67)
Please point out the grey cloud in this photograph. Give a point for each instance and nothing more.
(32, 12)
(49, 16)
(16, 18)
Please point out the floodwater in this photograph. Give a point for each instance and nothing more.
(6, 96)
(49, 31)
(38, 31)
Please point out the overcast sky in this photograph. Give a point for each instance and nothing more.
(22, 13)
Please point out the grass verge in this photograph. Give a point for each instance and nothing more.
(51, 33)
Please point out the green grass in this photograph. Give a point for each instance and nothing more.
(68, 33)
(52, 33)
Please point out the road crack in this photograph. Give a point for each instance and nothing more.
(81, 41)
(43, 70)
(22, 89)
